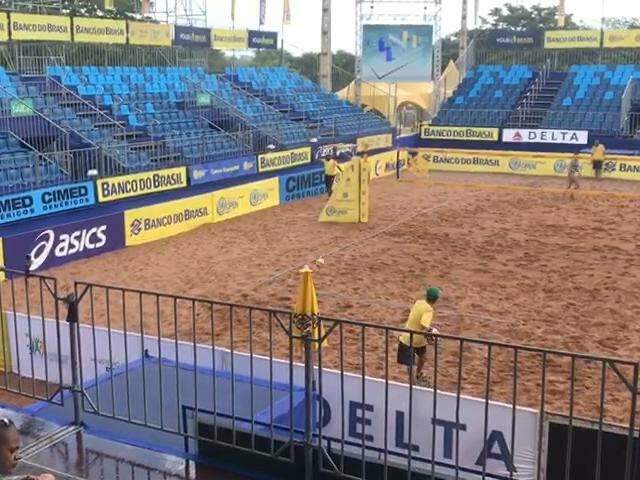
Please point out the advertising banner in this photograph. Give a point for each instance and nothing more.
(147, 33)
(269, 162)
(4, 27)
(298, 186)
(235, 201)
(22, 107)
(191, 36)
(459, 133)
(397, 53)
(225, 39)
(345, 202)
(96, 30)
(27, 26)
(223, 169)
(622, 38)
(20, 206)
(526, 163)
(56, 245)
(136, 184)
(263, 40)
(513, 39)
(341, 150)
(385, 164)
(572, 39)
(148, 224)
(545, 135)
(374, 142)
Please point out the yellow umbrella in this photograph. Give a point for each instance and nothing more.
(305, 312)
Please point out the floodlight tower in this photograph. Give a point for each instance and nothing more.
(397, 12)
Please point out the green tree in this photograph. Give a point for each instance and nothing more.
(521, 17)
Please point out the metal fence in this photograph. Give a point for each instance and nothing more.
(255, 381)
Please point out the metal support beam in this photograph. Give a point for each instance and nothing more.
(326, 57)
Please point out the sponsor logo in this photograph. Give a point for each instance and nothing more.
(332, 211)
(36, 345)
(281, 160)
(248, 166)
(324, 151)
(456, 160)
(139, 184)
(519, 165)
(517, 137)
(66, 244)
(136, 226)
(256, 197)
(459, 133)
(198, 173)
(610, 166)
(624, 167)
(560, 166)
(226, 205)
(576, 137)
(139, 225)
(302, 185)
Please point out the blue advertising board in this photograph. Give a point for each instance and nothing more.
(298, 186)
(23, 205)
(263, 40)
(397, 53)
(191, 36)
(223, 169)
(55, 245)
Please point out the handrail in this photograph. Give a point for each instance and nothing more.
(627, 98)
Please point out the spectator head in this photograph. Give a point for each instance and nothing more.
(9, 446)
(433, 295)
(596, 143)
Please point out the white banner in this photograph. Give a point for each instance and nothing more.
(348, 412)
(542, 135)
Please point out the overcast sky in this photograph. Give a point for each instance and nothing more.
(304, 32)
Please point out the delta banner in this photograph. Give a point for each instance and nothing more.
(191, 36)
(526, 163)
(572, 39)
(57, 245)
(459, 133)
(4, 27)
(223, 170)
(136, 184)
(504, 38)
(94, 30)
(148, 224)
(542, 135)
(374, 142)
(252, 197)
(225, 39)
(269, 162)
(44, 201)
(298, 186)
(146, 33)
(397, 53)
(262, 40)
(27, 26)
(622, 38)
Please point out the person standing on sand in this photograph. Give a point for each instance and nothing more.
(598, 154)
(331, 169)
(414, 345)
(573, 172)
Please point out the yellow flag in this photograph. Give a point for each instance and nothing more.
(344, 204)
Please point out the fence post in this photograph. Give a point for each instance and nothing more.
(72, 319)
(306, 324)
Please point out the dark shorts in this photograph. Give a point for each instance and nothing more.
(407, 355)
(597, 164)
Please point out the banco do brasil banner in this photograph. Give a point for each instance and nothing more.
(225, 39)
(144, 33)
(269, 162)
(20, 206)
(374, 142)
(263, 40)
(622, 38)
(26, 26)
(4, 27)
(125, 186)
(235, 201)
(162, 220)
(459, 133)
(572, 39)
(56, 245)
(298, 186)
(96, 30)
